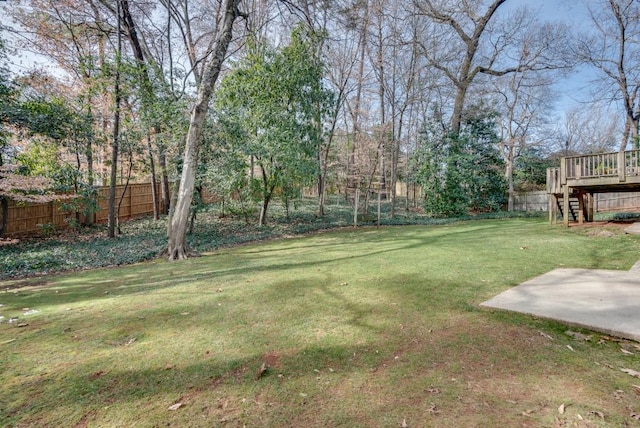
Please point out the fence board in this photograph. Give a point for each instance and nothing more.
(604, 202)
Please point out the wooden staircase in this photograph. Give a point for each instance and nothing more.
(574, 206)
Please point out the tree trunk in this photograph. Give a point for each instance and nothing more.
(509, 174)
(166, 193)
(352, 181)
(267, 193)
(154, 185)
(90, 215)
(177, 247)
(4, 212)
(148, 96)
(324, 161)
(263, 210)
(115, 144)
(124, 192)
(458, 107)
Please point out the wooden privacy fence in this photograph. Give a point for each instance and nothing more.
(531, 201)
(604, 202)
(34, 218)
(617, 201)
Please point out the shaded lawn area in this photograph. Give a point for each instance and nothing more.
(350, 328)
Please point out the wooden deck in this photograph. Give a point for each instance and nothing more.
(580, 177)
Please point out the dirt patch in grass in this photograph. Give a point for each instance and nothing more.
(603, 229)
(615, 225)
(271, 360)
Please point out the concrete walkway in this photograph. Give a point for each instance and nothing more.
(600, 300)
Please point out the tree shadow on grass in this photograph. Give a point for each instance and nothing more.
(102, 284)
(62, 399)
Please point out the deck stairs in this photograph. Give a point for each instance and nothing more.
(574, 207)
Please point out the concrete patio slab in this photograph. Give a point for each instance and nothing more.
(633, 229)
(599, 300)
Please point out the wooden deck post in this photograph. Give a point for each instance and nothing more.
(622, 167)
(554, 208)
(581, 196)
(565, 205)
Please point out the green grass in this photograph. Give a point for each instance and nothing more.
(364, 327)
(144, 239)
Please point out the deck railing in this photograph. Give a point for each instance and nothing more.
(553, 180)
(603, 165)
(632, 162)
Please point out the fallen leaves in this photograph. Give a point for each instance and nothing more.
(631, 372)
(545, 335)
(578, 336)
(528, 413)
(175, 406)
(562, 411)
(618, 394)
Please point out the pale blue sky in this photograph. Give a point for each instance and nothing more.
(572, 90)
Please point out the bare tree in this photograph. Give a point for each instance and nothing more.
(525, 103)
(587, 129)
(471, 43)
(613, 49)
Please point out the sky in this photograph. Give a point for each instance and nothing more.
(572, 90)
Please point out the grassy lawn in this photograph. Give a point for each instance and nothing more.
(368, 327)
